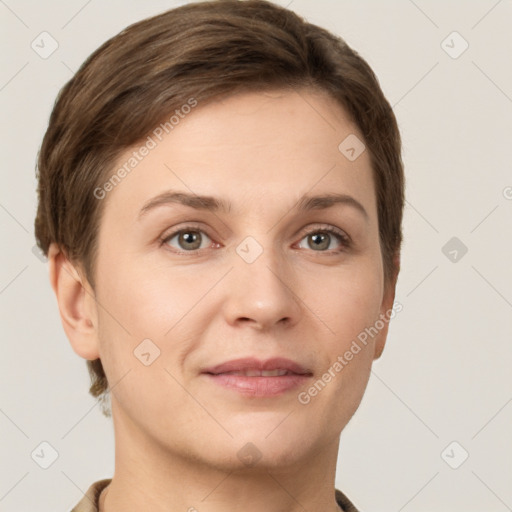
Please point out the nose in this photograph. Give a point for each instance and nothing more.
(261, 293)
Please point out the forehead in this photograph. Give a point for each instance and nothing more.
(257, 146)
(271, 121)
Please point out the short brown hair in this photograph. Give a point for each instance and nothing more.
(205, 51)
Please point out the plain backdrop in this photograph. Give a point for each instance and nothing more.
(442, 390)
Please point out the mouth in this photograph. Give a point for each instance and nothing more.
(256, 378)
(258, 373)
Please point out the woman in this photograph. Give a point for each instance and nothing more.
(220, 201)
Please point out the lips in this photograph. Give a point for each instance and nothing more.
(253, 367)
(259, 373)
(256, 378)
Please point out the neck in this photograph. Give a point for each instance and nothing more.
(151, 478)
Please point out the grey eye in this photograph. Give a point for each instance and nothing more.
(188, 239)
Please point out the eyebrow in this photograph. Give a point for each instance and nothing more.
(213, 204)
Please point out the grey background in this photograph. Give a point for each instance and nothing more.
(445, 374)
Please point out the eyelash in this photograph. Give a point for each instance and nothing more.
(343, 239)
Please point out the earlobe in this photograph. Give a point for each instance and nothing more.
(76, 303)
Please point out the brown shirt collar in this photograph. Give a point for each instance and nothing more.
(89, 503)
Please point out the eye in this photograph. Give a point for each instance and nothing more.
(320, 240)
(188, 239)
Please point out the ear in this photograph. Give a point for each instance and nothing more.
(386, 308)
(77, 304)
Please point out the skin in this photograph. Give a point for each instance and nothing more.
(177, 434)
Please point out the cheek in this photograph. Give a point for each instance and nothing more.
(141, 303)
(349, 302)
(141, 340)
(149, 300)
(350, 306)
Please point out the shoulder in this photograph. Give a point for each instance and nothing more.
(89, 503)
(345, 504)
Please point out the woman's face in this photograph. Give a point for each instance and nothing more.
(217, 316)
